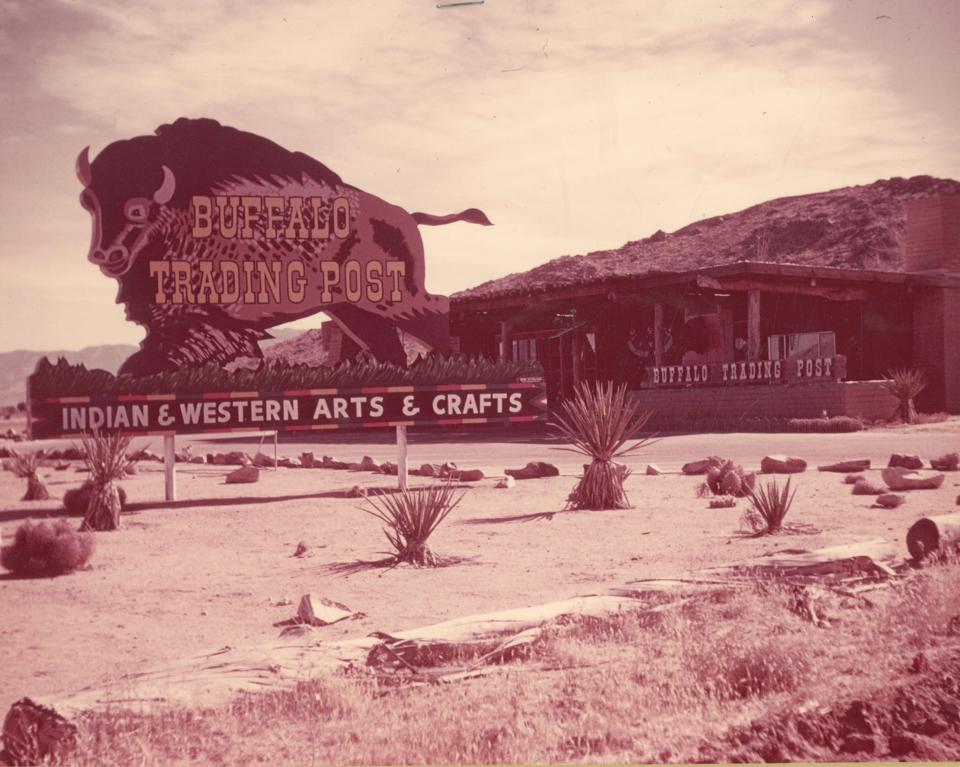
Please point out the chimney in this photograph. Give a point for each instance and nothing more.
(933, 234)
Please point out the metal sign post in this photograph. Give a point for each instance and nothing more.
(169, 461)
(402, 455)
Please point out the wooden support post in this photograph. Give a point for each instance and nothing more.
(169, 461)
(576, 351)
(506, 340)
(402, 456)
(753, 325)
(658, 334)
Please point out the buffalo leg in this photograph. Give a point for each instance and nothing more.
(375, 334)
(433, 328)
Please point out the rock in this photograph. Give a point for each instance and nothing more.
(306, 460)
(863, 487)
(198, 459)
(782, 464)
(428, 470)
(505, 483)
(653, 470)
(899, 478)
(356, 492)
(243, 475)
(701, 467)
(329, 463)
(890, 500)
(948, 462)
(902, 744)
(852, 479)
(469, 475)
(301, 549)
(847, 467)
(236, 458)
(319, 611)
(368, 464)
(263, 461)
(389, 468)
(533, 470)
(905, 461)
(287, 463)
(859, 744)
(131, 470)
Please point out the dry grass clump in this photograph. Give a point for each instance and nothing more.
(26, 466)
(599, 421)
(768, 507)
(411, 517)
(905, 384)
(106, 455)
(42, 548)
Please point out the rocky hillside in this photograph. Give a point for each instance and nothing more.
(860, 227)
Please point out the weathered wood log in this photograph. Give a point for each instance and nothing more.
(930, 534)
(871, 557)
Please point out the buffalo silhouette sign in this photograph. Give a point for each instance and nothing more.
(215, 235)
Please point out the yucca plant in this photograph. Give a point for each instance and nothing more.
(905, 384)
(769, 506)
(106, 457)
(599, 422)
(26, 466)
(410, 517)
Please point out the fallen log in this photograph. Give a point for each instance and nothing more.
(39, 728)
(930, 534)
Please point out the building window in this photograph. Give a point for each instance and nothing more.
(802, 345)
(524, 349)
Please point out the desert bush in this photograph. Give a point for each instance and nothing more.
(26, 466)
(599, 422)
(411, 517)
(768, 507)
(106, 457)
(905, 384)
(42, 548)
(727, 478)
(76, 501)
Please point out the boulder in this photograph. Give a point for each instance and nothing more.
(899, 478)
(948, 462)
(505, 483)
(236, 458)
(429, 470)
(198, 459)
(782, 464)
(653, 470)
(318, 611)
(329, 463)
(847, 467)
(863, 487)
(469, 475)
(912, 462)
(389, 468)
(368, 464)
(287, 463)
(852, 479)
(533, 470)
(131, 470)
(243, 475)
(701, 467)
(356, 492)
(263, 461)
(306, 460)
(890, 500)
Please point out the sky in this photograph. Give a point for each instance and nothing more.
(575, 125)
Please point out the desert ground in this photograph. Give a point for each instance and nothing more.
(217, 566)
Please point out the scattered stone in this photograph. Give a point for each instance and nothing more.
(368, 464)
(306, 460)
(243, 475)
(198, 459)
(653, 470)
(723, 503)
(701, 467)
(852, 479)
(782, 464)
(912, 462)
(263, 461)
(863, 487)
(329, 463)
(890, 500)
(468, 475)
(429, 470)
(505, 483)
(287, 463)
(899, 478)
(948, 462)
(389, 468)
(847, 467)
(356, 492)
(302, 549)
(534, 470)
(859, 744)
(902, 744)
(319, 611)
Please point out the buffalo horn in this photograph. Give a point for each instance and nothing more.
(165, 192)
(83, 167)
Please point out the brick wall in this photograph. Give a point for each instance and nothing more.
(933, 234)
(864, 399)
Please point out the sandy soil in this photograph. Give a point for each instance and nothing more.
(210, 569)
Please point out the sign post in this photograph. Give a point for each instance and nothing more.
(169, 462)
(402, 455)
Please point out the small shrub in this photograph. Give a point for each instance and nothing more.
(26, 466)
(599, 421)
(410, 518)
(42, 548)
(905, 384)
(769, 506)
(76, 501)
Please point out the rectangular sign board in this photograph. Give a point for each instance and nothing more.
(289, 411)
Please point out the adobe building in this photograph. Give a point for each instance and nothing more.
(792, 308)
